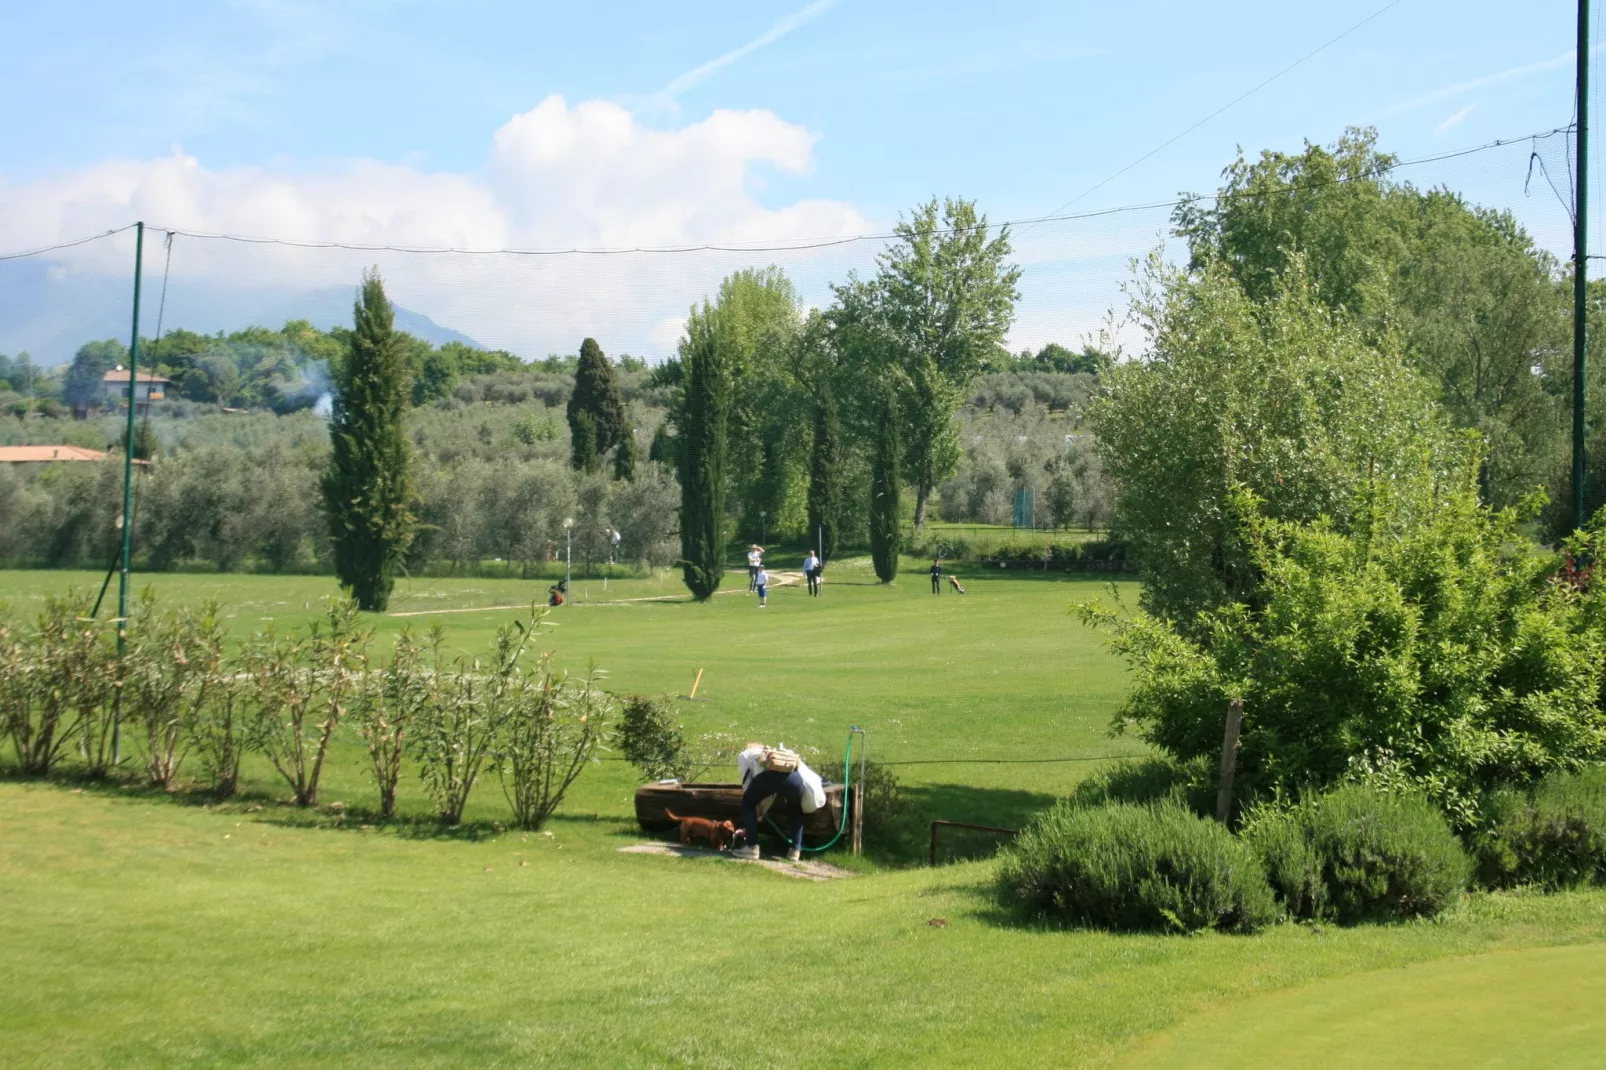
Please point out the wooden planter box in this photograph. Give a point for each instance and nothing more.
(721, 802)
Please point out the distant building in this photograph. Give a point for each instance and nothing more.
(148, 387)
(53, 454)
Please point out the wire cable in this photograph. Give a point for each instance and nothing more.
(804, 244)
(1230, 104)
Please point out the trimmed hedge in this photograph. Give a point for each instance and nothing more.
(1554, 836)
(1127, 867)
(1357, 854)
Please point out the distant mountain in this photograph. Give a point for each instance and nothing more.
(50, 312)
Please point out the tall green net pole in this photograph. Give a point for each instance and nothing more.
(128, 481)
(1580, 265)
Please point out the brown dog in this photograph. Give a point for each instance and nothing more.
(717, 833)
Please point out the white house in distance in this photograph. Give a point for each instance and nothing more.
(147, 387)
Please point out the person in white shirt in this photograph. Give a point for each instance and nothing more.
(811, 571)
(755, 561)
(802, 789)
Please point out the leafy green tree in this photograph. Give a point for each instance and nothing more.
(825, 476)
(759, 323)
(886, 494)
(1475, 304)
(937, 311)
(368, 489)
(703, 422)
(596, 398)
(1432, 649)
(1280, 397)
(85, 381)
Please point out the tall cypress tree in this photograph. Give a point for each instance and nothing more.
(596, 394)
(368, 488)
(703, 419)
(583, 451)
(886, 495)
(624, 456)
(825, 476)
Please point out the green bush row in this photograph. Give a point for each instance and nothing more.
(1132, 848)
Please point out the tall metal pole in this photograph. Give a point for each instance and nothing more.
(128, 481)
(1581, 265)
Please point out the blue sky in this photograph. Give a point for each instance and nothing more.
(397, 121)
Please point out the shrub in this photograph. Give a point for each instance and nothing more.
(55, 688)
(388, 702)
(1358, 854)
(1189, 785)
(553, 731)
(1554, 836)
(174, 662)
(649, 737)
(299, 686)
(1136, 868)
(884, 801)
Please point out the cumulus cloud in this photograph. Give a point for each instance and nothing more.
(560, 176)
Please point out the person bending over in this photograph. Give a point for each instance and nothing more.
(768, 773)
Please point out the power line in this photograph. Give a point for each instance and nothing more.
(1231, 103)
(804, 244)
(67, 244)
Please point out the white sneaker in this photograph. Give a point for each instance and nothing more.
(749, 853)
(794, 855)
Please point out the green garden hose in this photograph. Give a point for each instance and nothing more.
(847, 766)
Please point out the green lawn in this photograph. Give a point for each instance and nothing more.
(149, 931)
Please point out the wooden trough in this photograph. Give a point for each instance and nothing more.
(720, 802)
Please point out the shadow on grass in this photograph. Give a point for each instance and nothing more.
(903, 838)
(271, 809)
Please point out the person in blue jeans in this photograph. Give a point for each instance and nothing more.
(801, 788)
(763, 785)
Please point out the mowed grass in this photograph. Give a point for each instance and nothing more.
(147, 931)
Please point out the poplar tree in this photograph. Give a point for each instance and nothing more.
(368, 490)
(886, 494)
(825, 475)
(596, 395)
(702, 426)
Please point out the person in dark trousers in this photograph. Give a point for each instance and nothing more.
(811, 571)
(788, 786)
(936, 575)
(759, 784)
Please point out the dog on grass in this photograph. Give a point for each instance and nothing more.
(719, 834)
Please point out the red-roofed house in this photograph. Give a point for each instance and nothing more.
(47, 454)
(149, 387)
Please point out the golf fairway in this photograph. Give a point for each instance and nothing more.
(1516, 1008)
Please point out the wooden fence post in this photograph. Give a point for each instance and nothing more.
(1229, 759)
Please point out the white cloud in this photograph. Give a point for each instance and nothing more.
(702, 73)
(1510, 74)
(1455, 120)
(560, 176)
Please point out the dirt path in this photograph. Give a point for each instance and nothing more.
(778, 578)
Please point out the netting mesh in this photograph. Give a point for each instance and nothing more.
(635, 301)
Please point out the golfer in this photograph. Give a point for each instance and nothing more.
(755, 562)
(811, 571)
(802, 789)
(936, 575)
(762, 581)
